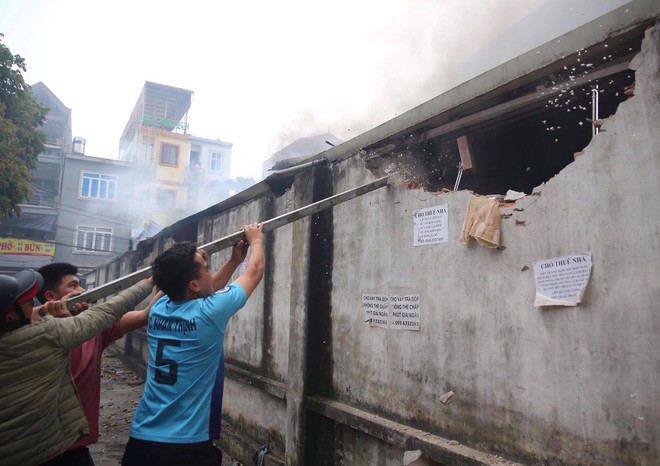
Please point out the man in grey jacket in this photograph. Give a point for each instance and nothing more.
(40, 414)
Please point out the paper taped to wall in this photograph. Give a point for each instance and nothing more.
(430, 225)
(396, 311)
(561, 281)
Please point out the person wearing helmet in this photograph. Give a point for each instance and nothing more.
(18, 294)
(61, 282)
(40, 414)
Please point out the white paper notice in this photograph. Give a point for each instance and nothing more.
(561, 281)
(404, 311)
(399, 312)
(376, 308)
(430, 225)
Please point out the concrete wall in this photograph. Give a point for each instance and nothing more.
(553, 385)
(577, 384)
(558, 385)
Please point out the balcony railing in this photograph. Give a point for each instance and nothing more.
(41, 200)
(146, 168)
(195, 174)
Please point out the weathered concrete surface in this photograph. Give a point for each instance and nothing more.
(557, 385)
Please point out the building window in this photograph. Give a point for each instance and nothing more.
(166, 198)
(169, 154)
(93, 239)
(215, 161)
(194, 158)
(97, 186)
(44, 192)
(146, 152)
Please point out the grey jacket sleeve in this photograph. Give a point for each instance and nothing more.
(73, 331)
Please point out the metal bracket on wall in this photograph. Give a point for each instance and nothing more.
(460, 175)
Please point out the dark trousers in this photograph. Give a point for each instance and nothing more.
(77, 457)
(144, 453)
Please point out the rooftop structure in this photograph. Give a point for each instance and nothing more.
(159, 107)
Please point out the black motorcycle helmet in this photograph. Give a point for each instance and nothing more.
(15, 290)
(8, 292)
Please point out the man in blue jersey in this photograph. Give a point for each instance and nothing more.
(178, 416)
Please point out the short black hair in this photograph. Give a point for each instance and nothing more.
(173, 269)
(53, 274)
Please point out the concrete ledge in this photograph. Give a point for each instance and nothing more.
(270, 386)
(243, 448)
(406, 438)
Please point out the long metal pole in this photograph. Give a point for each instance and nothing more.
(129, 280)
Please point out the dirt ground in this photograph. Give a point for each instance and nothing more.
(121, 389)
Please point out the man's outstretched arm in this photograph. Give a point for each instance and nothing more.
(75, 330)
(135, 319)
(222, 276)
(254, 271)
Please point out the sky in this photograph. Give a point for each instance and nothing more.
(263, 73)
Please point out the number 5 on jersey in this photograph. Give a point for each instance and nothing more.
(169, 377)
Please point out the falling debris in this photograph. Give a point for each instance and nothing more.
(446, 398)
(410, 456)
(513, 195)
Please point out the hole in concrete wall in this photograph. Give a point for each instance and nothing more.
(525, 152)
(539, 128)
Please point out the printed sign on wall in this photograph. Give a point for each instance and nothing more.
(561, 281)
(398, 312)
(376, 307)
(430, 225)
(405, 311)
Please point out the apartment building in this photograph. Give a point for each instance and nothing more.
(30, 240)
